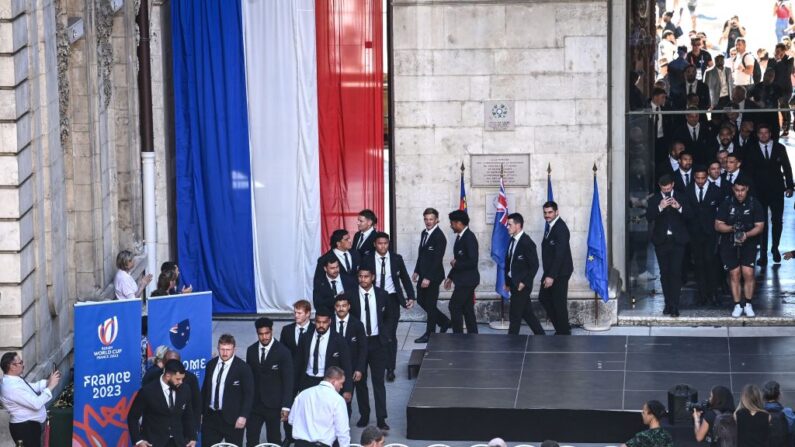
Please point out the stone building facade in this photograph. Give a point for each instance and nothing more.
(549, 57)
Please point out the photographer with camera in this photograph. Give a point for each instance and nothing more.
(740, 220)
(707, 415)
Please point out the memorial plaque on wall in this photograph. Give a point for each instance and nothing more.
(499, 115)
(485, 170)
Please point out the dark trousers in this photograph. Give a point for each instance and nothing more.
(302, 443)
(376, 360)
(271, 418)
(308, 381)
(703, 250)
(462, 309)
(774, 210)
(215, 429)
(427, 299)
(669, 258)
(521, 308)
(28, 432)
(393, 305)
(554, 300)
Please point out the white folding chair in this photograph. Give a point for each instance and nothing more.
(269, 444)
(396, 444)
(480, 445)
(224, 444)
(354, 445)
(525, 445)
(438, 445)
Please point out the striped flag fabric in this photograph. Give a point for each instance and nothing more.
(500, 239)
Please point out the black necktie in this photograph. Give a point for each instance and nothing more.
(694, 134)
(767, 154)
(510, 249)
(300, 334)
(457, 238)
(687, 179)
(347, 262)
(262, 356)
(368, 324)
(342, 328)
(730, 177)
(424, 238)
(700, 194)
(361, 241)
(656, 124)
(218, 387)
(334, 286)
(171, 398)
(316, 357)
(383, 272)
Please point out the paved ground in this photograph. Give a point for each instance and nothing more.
(398, 392)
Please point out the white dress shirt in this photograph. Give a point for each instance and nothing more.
(373, 310)
(298, 328)
(389, 284)
(429, 232)
(125, 285)
(345, 322)
(365, 235)
(321, 358)
(22, 402)
(341, 256)
(734, 176)
(696, 129)
(340, 288)
(689, 174)
(674, 163)
(166, 391)
(716, 181)
(724, 84)
(263, 351)
(319, 414)
(226, 364)
(766, 149)
(515, 238)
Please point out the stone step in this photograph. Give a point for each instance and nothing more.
(704, 318)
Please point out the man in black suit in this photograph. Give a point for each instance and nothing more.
(429, 273)
(715, 179)
(705, 197)
(227, 393)
(323, 349)
(464, 273)
(521, 265)
(340, 249)
(369, 305)
(352, 330)
(161, 413)
(667, 213)
(724, 141)
(693, 86)
(291, 336)
(695, 136)
(734, 174)
(660, 125)
(190, 381)
(745, 134)
(558, 267)
(683, 176)
(331, 285)
(670, 164)
(364, 238)
(272, 367)
(392, 277)
(772, 174)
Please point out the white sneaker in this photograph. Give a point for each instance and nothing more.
(749, 310)
(737, 311)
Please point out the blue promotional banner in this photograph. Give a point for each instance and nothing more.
(107, 371)
(184, 323)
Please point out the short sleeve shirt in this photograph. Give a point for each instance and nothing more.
(747, 213)
(653, 437)
(740, 77)
(125, 285)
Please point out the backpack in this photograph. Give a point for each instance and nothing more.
(724, 433)
(779, 429)
(757, 76)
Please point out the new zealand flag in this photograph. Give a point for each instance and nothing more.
(180, 334)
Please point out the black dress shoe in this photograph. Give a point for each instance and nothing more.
(776, 256)
(383, 425)
(444, 328)
(363, 421)
(675, 313)
(390, 375)
(423, 339)
(666, 310)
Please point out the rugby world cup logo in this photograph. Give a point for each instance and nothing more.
(108, 331)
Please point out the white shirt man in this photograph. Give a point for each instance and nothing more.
(345, 259)
(321, 359)
(319, 414)
(224, 373)
(373, 306)
(301, 329)
(389, 284)
(739, 64)
(125, 285)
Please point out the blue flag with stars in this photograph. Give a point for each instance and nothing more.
(596, 262)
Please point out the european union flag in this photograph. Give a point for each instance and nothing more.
(500, 239)
(596, 262)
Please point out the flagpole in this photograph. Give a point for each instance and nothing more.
(595, 326)
(502, 325)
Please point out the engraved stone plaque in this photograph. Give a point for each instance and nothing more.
(485, 170)
(499, 115)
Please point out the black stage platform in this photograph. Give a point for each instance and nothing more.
(578, 388)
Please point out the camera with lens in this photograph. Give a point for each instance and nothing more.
(697, 406)
(739, 234)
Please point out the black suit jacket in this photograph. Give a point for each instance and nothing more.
(238, 390)
(287, 337)
(745, 176)
(679, 182)
(702, 91)
(465, 251)
(191, 381)
(323, 295)
(273, 380)
(524, 266)
(400, 276)
(556, 252)
(724, 190)
(367, 245)
(771, 176)
(357, 342)
(382, 311)
(320, 273)
(698, 147)
(159, 422)
(430, 257)
(702, 219)
(668, 219)
(337, 354)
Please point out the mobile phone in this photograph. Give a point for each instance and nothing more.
(54, 367)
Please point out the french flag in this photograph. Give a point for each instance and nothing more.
(279, 140)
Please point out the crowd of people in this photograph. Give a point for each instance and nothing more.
(708, 173)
